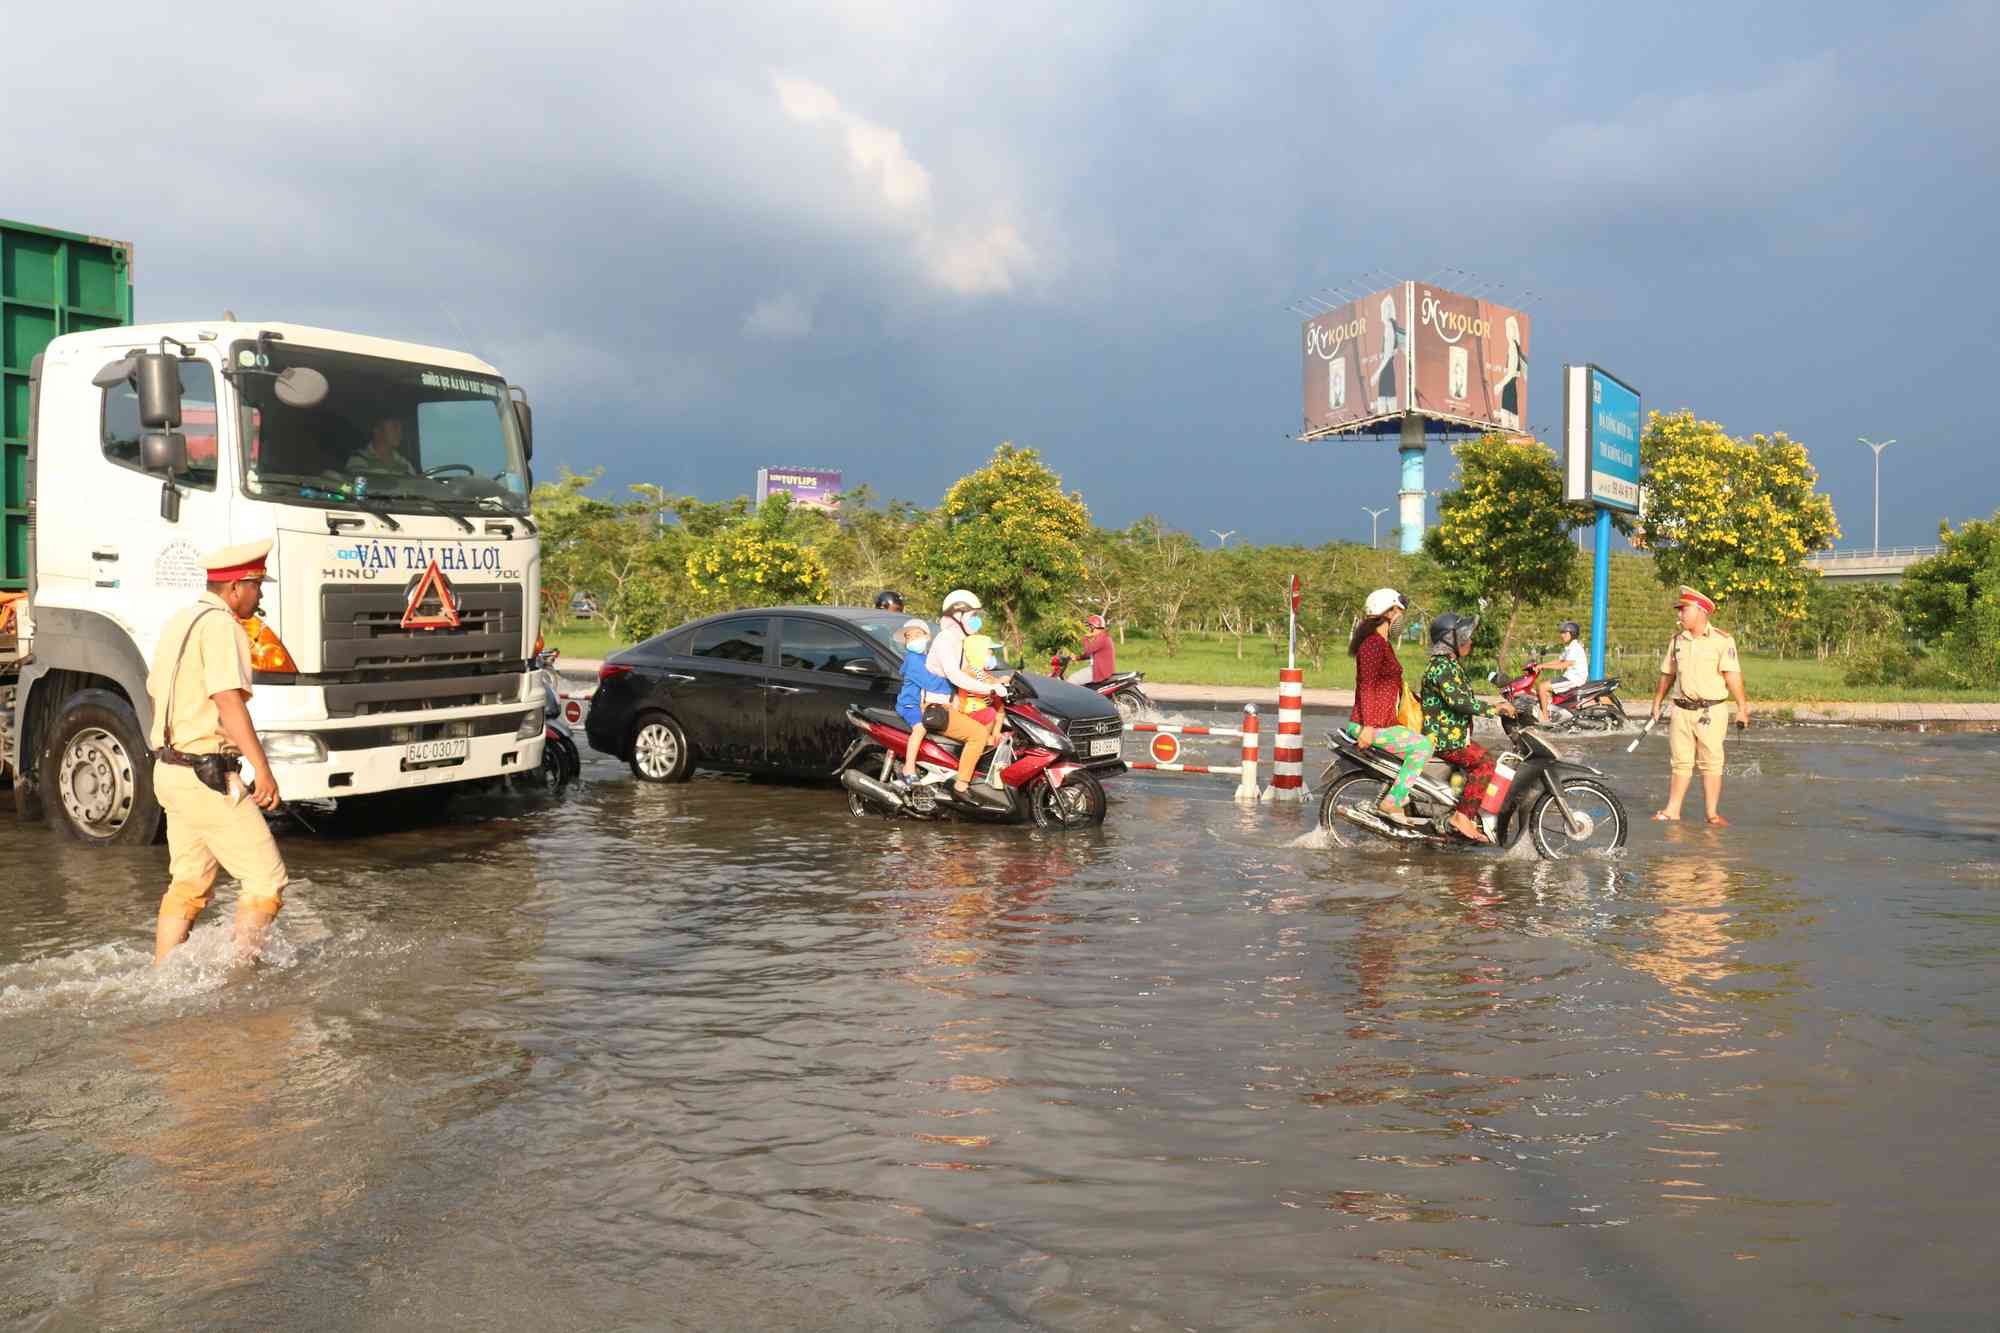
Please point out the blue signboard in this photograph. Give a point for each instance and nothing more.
(1601, 429)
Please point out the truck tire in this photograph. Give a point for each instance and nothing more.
(97, 774)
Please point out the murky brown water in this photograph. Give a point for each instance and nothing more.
(722, 1056)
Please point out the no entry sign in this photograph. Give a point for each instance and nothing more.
(1166, 748)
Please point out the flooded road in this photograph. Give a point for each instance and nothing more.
(720, 1055)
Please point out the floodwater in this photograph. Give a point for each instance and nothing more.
(722, 1056)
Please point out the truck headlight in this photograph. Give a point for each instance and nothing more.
(531, 726)
(293, 747)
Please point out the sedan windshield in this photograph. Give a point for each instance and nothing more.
(386, 432)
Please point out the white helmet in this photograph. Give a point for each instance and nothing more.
(1381, 600)
(959, 600)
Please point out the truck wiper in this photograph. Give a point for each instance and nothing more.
(382, 513)
(430, 506)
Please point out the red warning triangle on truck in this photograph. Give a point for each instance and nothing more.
(432, 603)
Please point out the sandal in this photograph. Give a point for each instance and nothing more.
(1662, 817)
(1395, 816)
(1717, 821)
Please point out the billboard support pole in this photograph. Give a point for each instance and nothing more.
(1411, 497)
(1600, 592)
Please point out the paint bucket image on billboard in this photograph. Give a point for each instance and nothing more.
(1461, 374)
(1336, 385)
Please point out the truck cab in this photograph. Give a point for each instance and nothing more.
(400, 625)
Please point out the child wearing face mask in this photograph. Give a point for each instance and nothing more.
(918, 680)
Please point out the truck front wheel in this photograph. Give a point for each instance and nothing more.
(97, 775)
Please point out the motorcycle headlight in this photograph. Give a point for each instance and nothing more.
(531, 726)
(292, 747)
(1043, 736)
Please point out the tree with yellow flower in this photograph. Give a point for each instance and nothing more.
(752, 562)
(1736, 518)
(1011, 534)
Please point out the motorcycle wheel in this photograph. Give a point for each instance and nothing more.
(561, 763)
(1600, 717)
(1589, 798)
(1356, 789)
(1078, 803)
(1133, 705)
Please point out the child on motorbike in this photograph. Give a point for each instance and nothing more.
(982, 659)
(1574, 664)
(1449, 706)
(915, 637)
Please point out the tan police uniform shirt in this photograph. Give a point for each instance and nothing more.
(1698, 660)
(217, 659)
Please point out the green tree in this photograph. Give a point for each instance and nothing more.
(1952, 602)
(1735, 518)
(1502, 538)
(1009, 533)
(758, 561)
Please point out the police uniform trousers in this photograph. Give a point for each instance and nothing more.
(204, 832)
(1694, 739)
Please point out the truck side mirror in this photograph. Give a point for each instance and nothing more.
(163, 451)
(524, 417)
(158, 377)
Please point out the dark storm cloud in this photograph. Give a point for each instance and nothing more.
(883, 239)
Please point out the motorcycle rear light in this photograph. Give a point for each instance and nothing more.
(611, 671)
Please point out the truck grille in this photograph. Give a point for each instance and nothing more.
(371, 664)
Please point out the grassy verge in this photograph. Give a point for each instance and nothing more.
(1207, 660)
(584, 638)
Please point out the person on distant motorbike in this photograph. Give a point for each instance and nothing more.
(1098, 648)
(1449, 706)
(889, 600)
(1574, 664)
(918, 680)
(958, 618)
(1378, 689)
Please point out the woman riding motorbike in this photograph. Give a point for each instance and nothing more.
(958, 618)
(1378, 689)
(1449, 706)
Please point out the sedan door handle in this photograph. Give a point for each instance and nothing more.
(677, 676)
(785, 689)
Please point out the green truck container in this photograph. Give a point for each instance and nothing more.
(51, 283)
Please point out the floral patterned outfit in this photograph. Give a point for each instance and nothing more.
(1449, 707)
(1378, 685)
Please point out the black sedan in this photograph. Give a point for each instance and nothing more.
(767, 691)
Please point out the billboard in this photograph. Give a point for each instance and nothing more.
(810, 487)
(1471, 360)
(1357, 363)
(1601, 426)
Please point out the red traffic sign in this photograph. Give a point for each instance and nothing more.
(572, 712)
(1166, 748)
(1295, 594)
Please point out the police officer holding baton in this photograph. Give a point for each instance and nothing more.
(1702, 669)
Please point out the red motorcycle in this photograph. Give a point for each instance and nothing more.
(1591, 706)
(1121, 688)
(1044, 768)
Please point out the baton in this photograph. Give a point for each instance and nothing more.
(1650, 723)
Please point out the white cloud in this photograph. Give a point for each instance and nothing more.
(781, 316)
(987, 257)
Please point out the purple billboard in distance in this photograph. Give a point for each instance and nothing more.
(812, 487)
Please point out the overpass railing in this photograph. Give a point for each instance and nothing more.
(1908, 554)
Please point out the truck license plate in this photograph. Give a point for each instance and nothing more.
(431, 752)
(1108, 746)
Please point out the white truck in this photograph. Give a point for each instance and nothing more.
(393, 482)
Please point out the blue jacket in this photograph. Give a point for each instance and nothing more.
(918, 679)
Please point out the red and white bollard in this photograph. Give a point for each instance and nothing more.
(1288, 750)
(1246, 789)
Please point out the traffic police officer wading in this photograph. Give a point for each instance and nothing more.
(201, 731)
(1702, 668)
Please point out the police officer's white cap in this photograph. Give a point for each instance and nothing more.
(242, 561)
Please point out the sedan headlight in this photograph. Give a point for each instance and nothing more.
(293, 747)
(1042, 736)
(531, 726)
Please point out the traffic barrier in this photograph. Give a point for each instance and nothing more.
(1288, 747)
(1166, 748)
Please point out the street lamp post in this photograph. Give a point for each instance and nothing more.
(1374, 522)
(1878, 448)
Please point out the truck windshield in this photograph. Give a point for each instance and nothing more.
(387, 430)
